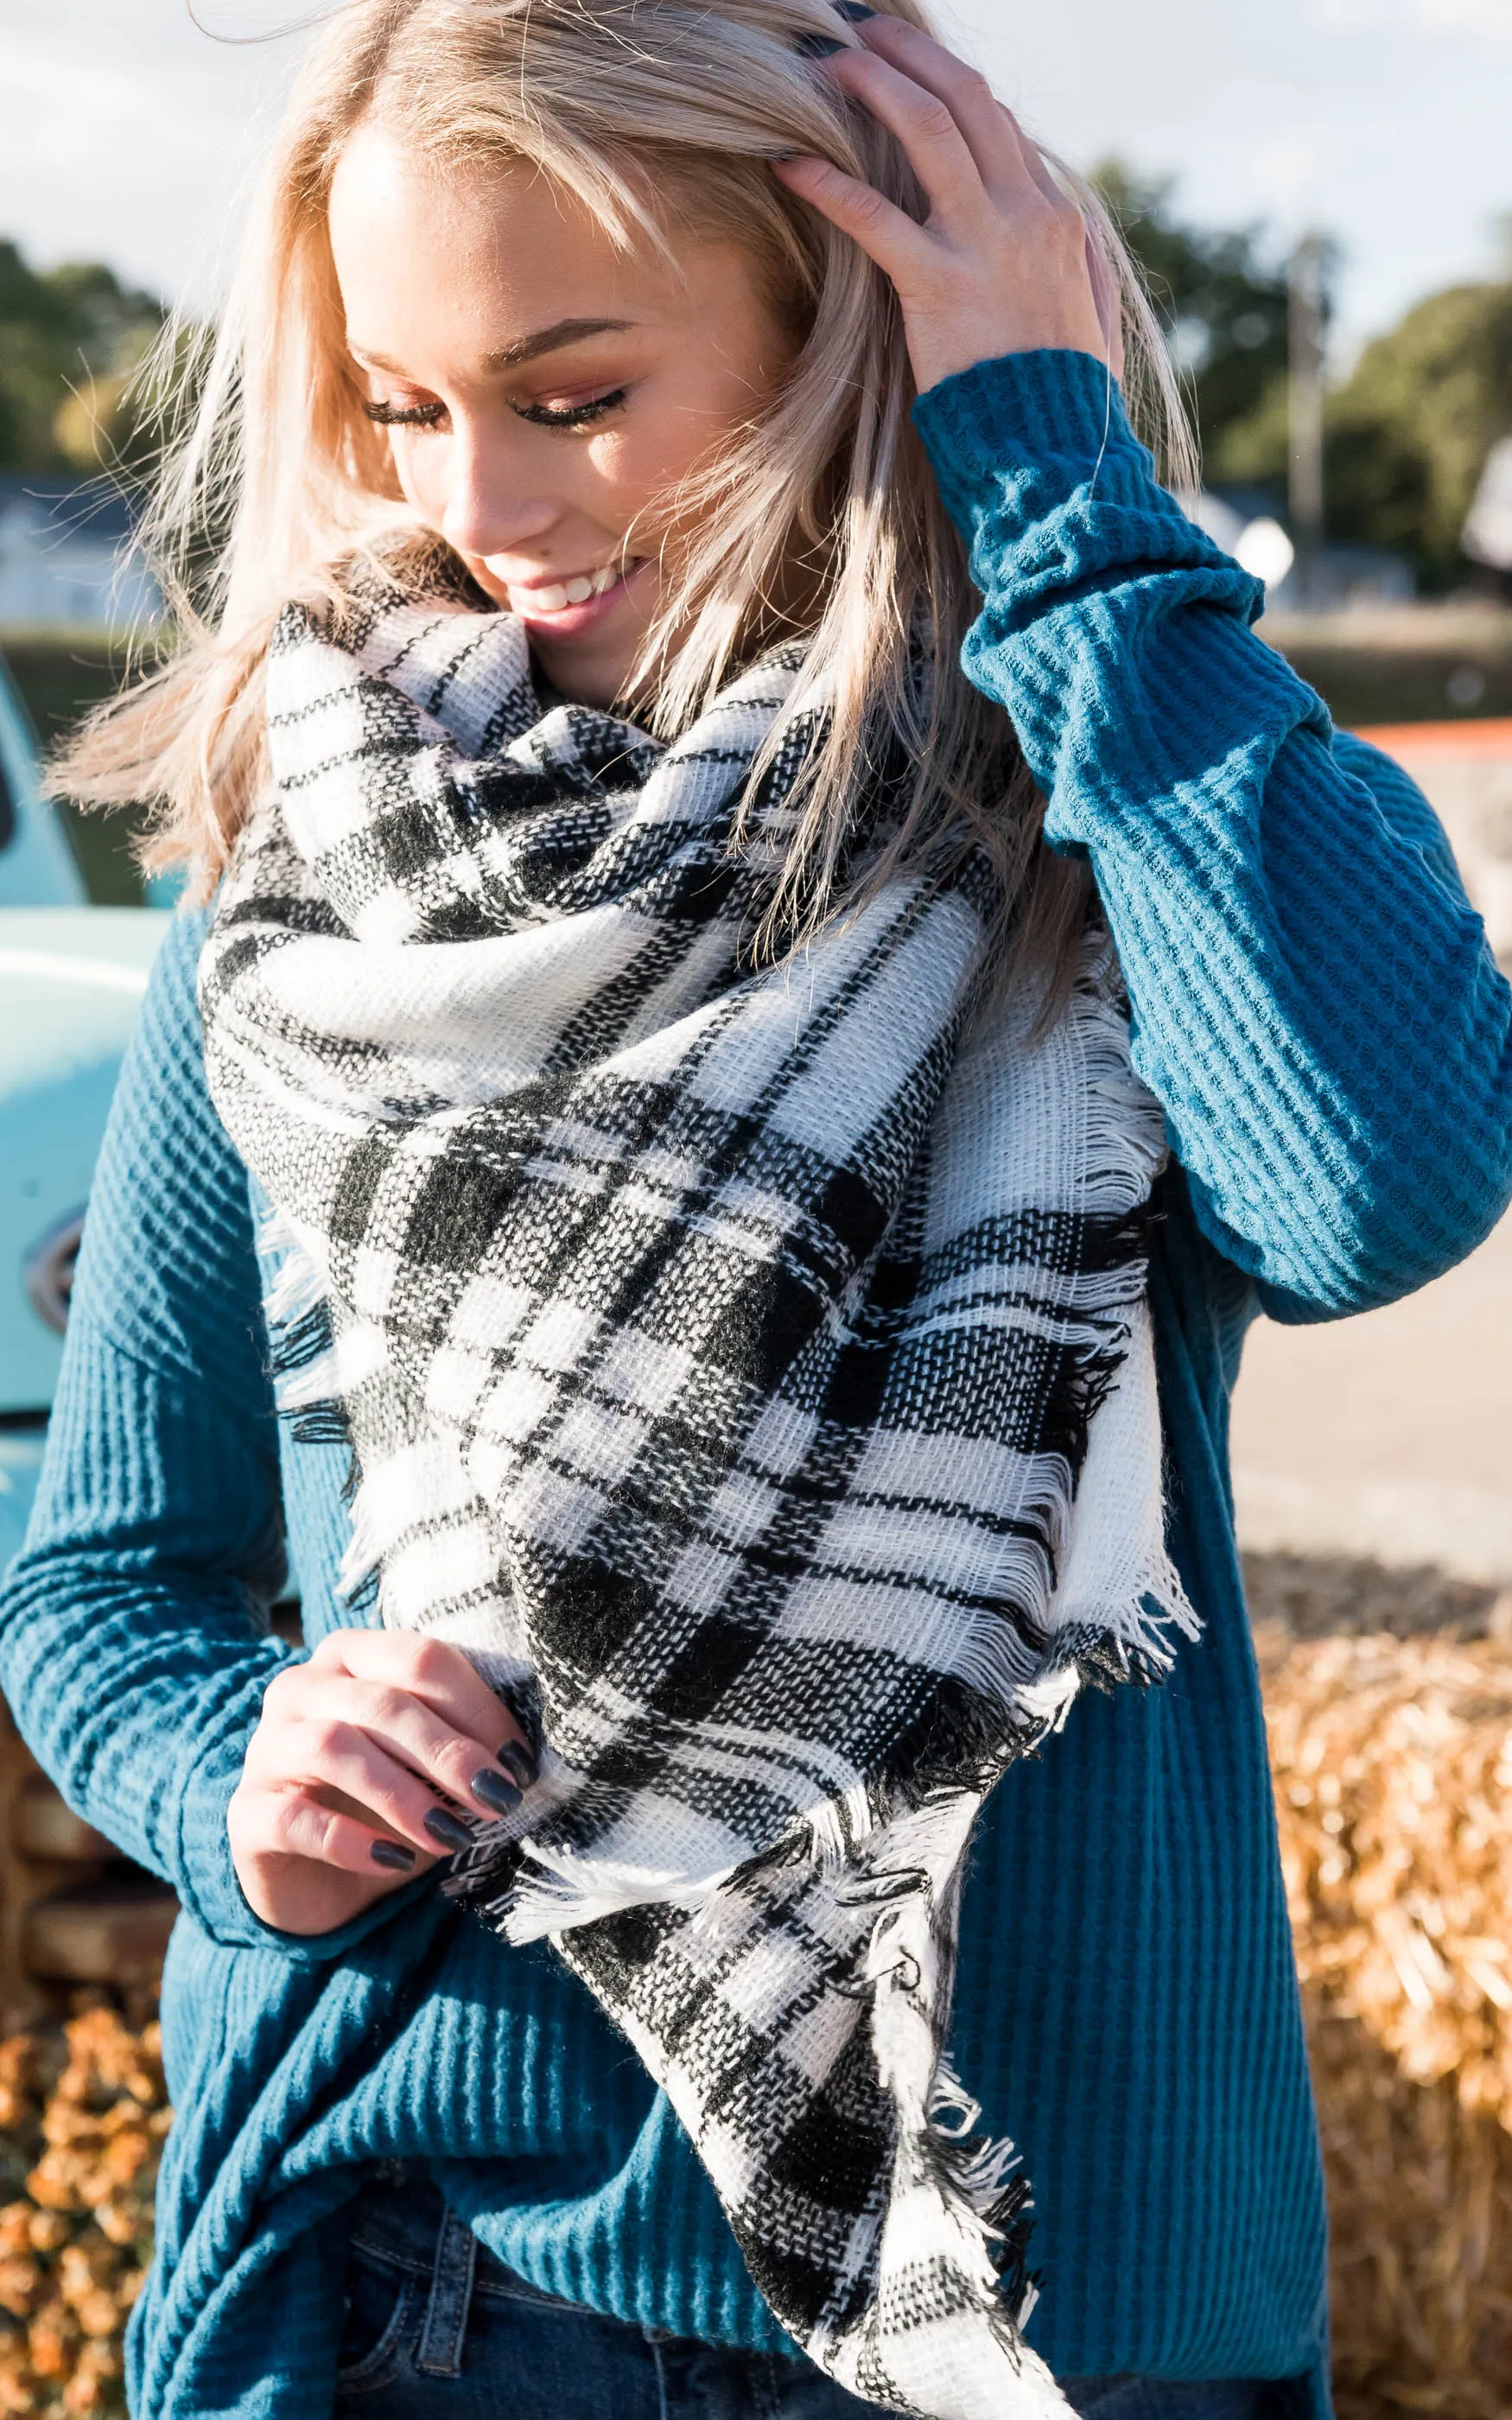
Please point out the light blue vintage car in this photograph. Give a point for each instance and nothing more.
(71, 979)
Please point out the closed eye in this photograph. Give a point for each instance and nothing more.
(414, 415)
(572, 416)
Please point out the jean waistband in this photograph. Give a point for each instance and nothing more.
(401, 2214)
(403, 2218)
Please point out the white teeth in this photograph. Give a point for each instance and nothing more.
(560, 595)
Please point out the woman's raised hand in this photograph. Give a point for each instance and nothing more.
(344, 1793)
(1004, 262)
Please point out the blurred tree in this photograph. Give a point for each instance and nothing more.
(1408, 432)
(1222, 301)
(70, 340)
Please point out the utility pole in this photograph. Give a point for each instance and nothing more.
(1306, 335)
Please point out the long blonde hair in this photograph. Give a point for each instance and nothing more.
(659, 116)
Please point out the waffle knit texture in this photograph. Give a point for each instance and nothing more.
(1315, 1008)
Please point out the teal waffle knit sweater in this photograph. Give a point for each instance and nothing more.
(1315, 1006)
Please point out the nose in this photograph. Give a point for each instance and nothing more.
(493, 503)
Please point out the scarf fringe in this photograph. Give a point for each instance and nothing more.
(955, 2192)
(303, 1357)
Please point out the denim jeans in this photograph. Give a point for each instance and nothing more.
(438, 2329)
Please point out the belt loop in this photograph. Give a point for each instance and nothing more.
(439, 2351)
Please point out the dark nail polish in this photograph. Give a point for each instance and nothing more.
(854, 12)
(817, 46)
(392, 1853)
(452, 1831)
(494, 1791)
(519, 1762)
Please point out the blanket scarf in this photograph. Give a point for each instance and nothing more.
(747, 1364)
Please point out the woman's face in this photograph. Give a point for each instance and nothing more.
(541, 390)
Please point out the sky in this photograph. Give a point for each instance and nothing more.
(128, 130)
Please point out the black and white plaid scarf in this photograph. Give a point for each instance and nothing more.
(747, 1365)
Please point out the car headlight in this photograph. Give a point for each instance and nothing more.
(49, 1267)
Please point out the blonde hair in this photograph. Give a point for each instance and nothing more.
(276, 486)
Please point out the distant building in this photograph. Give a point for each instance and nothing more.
(67, 557)
(1245, 526)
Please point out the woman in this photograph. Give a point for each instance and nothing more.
(666, 1063)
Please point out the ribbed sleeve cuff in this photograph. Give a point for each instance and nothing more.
(1051, 409)
(1018, 401)
(207, 1877)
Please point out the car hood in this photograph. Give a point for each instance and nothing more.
(71, 981)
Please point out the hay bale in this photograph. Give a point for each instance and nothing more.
(1392, 1758)
(83, 2118)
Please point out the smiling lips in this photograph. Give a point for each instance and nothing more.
(557, 596)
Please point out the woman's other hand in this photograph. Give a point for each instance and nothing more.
(1004, 263)
(372, 1759)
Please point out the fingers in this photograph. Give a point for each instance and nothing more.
(1002, 263)
(430, 1669)
(373, 1759)
(924, 124)
(885, 233)
(349, 1752)
(440, 1676)
(970, 155)
(1003, 159)
(266, 1823)
(1042, 174)
(385, 1747)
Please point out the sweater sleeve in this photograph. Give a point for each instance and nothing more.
(134, 1641)
(1312, 996)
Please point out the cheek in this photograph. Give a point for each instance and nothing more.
(642, 464)
(624, 470)
(421, 471)
(706, 400)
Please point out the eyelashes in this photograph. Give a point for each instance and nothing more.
(418, 415)
(573, 416)
(427, 415)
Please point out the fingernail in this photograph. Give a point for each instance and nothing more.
(818, 46)
(519, 1762)
(854, 12)
(392, 1853)
(494, 1791)
(452, 1831)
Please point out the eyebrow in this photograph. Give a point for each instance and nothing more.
(524, 349)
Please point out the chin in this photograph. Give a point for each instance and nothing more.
(583, 680)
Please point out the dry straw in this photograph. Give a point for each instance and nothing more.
(1393, 1765)
(90, 2111)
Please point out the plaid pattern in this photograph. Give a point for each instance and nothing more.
(748, 1366)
